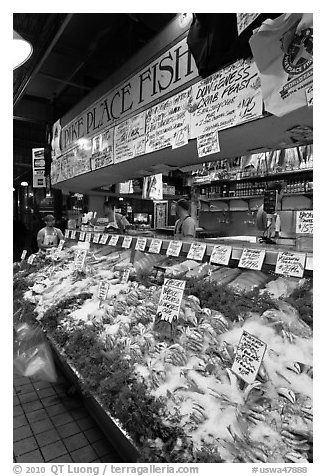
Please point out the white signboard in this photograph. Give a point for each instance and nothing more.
(114, 240)
(174, 248)
(290, 264)
(170, 300)
(180, 137)
(73, 234)
(83, 245)
(80, 258)
(252, 258)
(166, 119)
(140, 244)
(208, 143)
(221, 254)
(102, 290)
(82, 236)
(129, 138)
(197, 251)
(96, 237)
(104, 238)
(126, 241)
(155, 246)
(102, 149)
(248, 358)
(244, 20)
(305, 222)
(67, 232)
(228, 97)
(83, 156)
(88, 236)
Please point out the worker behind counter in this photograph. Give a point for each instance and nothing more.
(185, 227)
(115, 221)
(268, 219)
(49, 236)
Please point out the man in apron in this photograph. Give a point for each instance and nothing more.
(49, 236)
(185, 227)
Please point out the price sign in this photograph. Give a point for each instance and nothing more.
(114, 240)
(252, 259)
(248, 358)
(73, 234)
(174, 248)
(290, 264)
(82, 236)
(221, 254)
(155, 246)
(23, 256)
(60, 245)
(102, 290)
(104, 239)
(197, 251)
(67, 233)
(309, 96)
(80, 258)
(31, 259)
(88, 237)
(125, 275)
(96, 237)
(83, 245)
(170, 301)
(140, 244)
(126, 241)
(305, 222)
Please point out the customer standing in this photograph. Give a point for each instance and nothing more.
(49, 236)
(185, 226)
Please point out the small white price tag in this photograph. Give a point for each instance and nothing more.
(126, 241)
(140, 244)
(196, 251)
(73, 234)
(104, 239)
(67, 232)
(82, 236)
(96, 237)
(80, 258)
(290, 264)
(305, 222)
(31, 259)
(221, 255)
(248, 358)
(103, 290)
(88, 237)
(155, 246)
(252, 259)
(125, 275)
(174, 248)
(60, 245)
(114, 240)
(23, 256)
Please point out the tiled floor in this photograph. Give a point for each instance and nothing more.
(50, 426)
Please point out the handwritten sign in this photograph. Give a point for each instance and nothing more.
(60, 245)
(129, 138)
(104, 238)
(180, 137)
(305, 222)
(228, 97)
(88, 237)
(23, 256)
(174, 248)
(309, 95)
(82, 236)
(126, 242)
(73, 234)
(248, 358)
(96, 237)
(197, 251)
(165, 119)
(102, 290)
(208, 143)
(114, 240)
(31, 259)
(67, 233)
(290, 264)
(244, 20)
(170, 300)
(125, 275)
(80, 258)
(102, 149)
(221, 255)
(140, 244)
(155, 246)
(252, 258)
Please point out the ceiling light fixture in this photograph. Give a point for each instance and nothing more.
(22, 50)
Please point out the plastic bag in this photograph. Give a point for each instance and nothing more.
(32, 354)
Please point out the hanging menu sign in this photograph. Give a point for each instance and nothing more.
(140, 244)
(129, 138)
(221, 255)
(244, 20)
(170, 300)
(126, 241)
(96, 237)
(80, 258)
(166, 119)
(180, 137)
(102, 290)
(228, 97)
(88, 236)
(248, 358)
(305, 222)
(67, 232)
(104, 238)
(114, 240)
(290, 264)
(252, 258)
(208, 143)
(73, 234)
(102, 149)
(196, 251)
(82, 236)
(174, 248)
(155, 246)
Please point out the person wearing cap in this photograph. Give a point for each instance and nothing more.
(49, 236)
(185, 226)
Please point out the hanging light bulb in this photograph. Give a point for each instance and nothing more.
(21, 51)
(24, 184)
